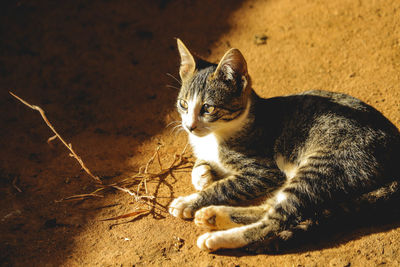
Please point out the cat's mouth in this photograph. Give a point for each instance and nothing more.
(200, 134)
(197, 132)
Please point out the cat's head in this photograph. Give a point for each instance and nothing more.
(212, 97)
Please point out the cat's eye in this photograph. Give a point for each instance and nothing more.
(183, 104)
(208, 109)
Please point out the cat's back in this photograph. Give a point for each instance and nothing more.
(340, 105)
(308, 107)
(322, 120)
(339, 98)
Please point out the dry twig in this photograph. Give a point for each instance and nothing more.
(131, 214)
(80, 197)
(14, 183)
(69, 146)
(127, 185)
(180, 162)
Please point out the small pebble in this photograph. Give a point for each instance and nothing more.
(260, 39)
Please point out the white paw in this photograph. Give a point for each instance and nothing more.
(212, 241)
(201, 177)
(181, 206)
(204, 242)
(232, 238)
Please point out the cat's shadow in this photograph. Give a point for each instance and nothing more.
(328, 234)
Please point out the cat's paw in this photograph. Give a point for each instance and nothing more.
(181, 207)
(214, 217)
(206, 242)
(201, 177)
(221, 239)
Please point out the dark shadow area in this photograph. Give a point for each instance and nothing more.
(337, 231)
(98, 69)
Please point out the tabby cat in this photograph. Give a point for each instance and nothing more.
(306, 154)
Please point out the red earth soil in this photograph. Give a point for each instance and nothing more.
(99, 70)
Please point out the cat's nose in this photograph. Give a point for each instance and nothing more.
(191, 128)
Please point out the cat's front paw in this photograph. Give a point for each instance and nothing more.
(214, 217)
(182, 207)
(201, 177)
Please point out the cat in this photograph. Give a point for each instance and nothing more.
(306, 153)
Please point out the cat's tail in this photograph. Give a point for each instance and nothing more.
(380, 200)
(375, 207)
(379, 204)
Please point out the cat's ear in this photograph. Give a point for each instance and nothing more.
(188, 64)
(232, 65)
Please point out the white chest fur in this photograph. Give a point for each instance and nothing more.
(205, 148)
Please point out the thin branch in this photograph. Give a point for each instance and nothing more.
(131, 214)
(51, 139)
(14, 183)
(69, 146)
(79, 197)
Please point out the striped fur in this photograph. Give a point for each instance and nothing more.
(307, 154)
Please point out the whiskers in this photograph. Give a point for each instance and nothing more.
(176, 127)
(173, 77)
(176, 79)
(172, 123)
(208, 128)
(171, 86)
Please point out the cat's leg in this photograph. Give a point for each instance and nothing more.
(261, 236)
(281, 223)
(294, 202)
(226, 217)
(232, 238)
(321, 179)
(272, 226)
(231, 190)
(202, 175)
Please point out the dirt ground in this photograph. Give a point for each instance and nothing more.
(99, 70)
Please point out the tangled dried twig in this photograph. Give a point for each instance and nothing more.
(140, 179)
(69, 146)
